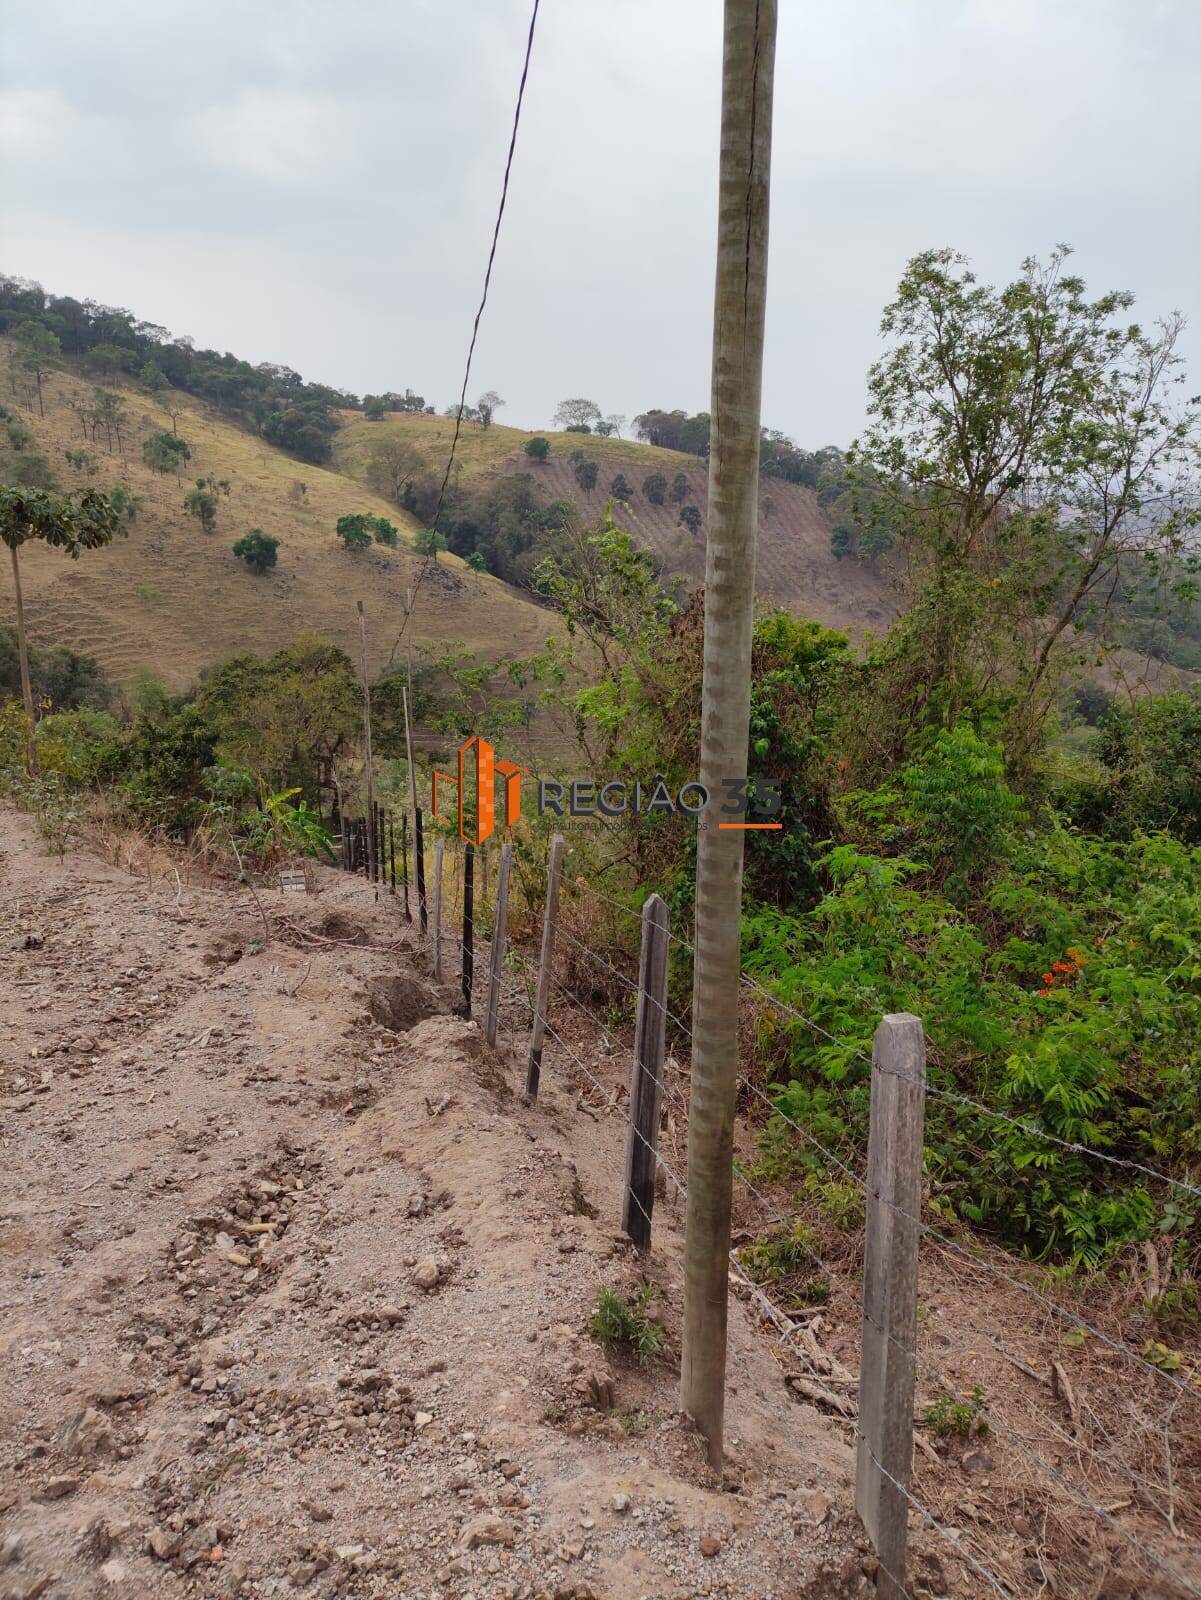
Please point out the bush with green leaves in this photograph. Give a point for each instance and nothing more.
(586, 474)
(430, 542)
(621, 488)
(1066, 994)
(654, 487)
(621, 1326)
(537, 448)
(948, 1418)
(690, 518)
(81, 745)
(257, 549)
(166, 452)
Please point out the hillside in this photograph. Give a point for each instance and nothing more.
(795, 567)
(174, 599)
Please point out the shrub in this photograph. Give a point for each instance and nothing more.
(620, 489)
(680, 488)
(960, 804)
(257, 549)
(355, 530)
(80, 745)
(166, 452)
(429, 542)
(690, 518)
(586, 473)
(654, 488)
(537, 449)
(623, 1327)
(948, 1418)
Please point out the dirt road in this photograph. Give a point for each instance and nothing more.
(295, 1302)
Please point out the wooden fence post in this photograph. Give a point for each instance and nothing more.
(887, 1366)
(404, 860)
(546, 963)
(468, 926)
(438, 849)
(419, 868)
(646, 1082)
(496, 958)
(392, 852)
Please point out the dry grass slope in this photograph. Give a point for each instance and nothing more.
(173, 599)
(795, 567)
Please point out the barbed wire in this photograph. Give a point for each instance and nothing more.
(432, 552)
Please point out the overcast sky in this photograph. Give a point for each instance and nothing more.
(314, 183)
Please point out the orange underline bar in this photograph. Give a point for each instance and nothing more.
(750, 824)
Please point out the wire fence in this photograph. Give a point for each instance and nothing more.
(1116, 1460)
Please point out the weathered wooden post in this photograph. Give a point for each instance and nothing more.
(887, 1367)
(419, 864)
(496, 959)
(392, 852)
(646, 1082)
(438, 849)
(468, 926)
(546, 965)
(404, 860)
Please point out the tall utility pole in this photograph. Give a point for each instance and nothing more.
(370, 766)
(741, 292)
(408, 705)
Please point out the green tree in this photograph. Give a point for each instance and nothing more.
(152, 377)
(73, 523)
(385, 533)
(1024, 444)
(620, 488)
(654, 488)
(488, 404)
(430, 543)
(476, 561)
(39, 350)
(201, 502)
(690, 518)
(109, 359)
(586, 473)
(83, 461)
(125, 502)
(375, 407)
(355, 530)
(680, 488)
(166, 452)
(110, 413)
(257, 549)
(537, 448)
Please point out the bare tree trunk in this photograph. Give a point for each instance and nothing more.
(741, 292)
(23, 654)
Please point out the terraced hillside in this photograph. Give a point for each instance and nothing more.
(173, 599)
(795, 567)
